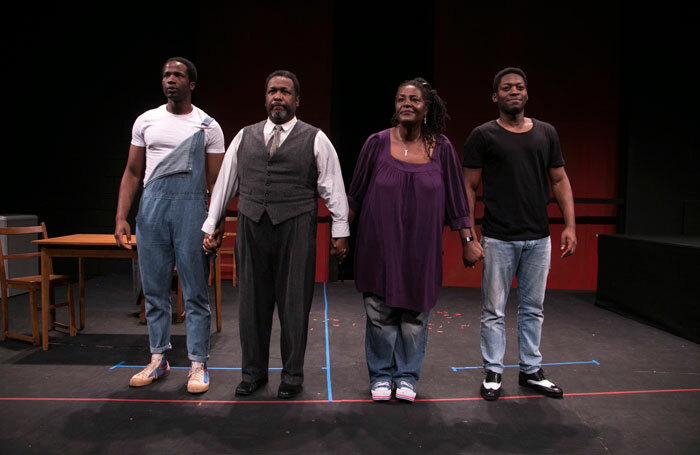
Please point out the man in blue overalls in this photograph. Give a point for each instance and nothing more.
(175, 148)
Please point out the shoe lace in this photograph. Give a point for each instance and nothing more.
(381, 384)
(406, 385)
(196, 373)
(151, 367)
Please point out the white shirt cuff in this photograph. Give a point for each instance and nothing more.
(209, 225)
(340, 229)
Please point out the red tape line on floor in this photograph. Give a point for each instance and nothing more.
(137, 400)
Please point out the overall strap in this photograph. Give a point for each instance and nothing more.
(180, 159)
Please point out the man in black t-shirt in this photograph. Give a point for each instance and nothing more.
(517, 157)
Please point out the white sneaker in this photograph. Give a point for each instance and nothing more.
(405, 391)
(158, 368)
(381, 391)
(198, 378)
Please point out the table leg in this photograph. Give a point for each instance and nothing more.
(81, 288)
(45, 292)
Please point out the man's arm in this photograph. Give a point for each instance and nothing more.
(131, 180)
(214, 161)
(561, 187)
(215, 151)
(472, 179)
(224, 190)
(332, 189)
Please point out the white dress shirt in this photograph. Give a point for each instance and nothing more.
(330, 184)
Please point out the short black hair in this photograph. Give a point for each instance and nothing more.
(503, 72)
(287, 74)
(191, 70)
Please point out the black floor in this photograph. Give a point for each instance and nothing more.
(630, 388)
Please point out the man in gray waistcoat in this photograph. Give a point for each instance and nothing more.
(278, 167)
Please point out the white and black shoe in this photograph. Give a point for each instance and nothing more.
(536, 381)
(491, 387)
(405, 391)
(381, 391)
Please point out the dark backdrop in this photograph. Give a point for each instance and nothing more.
(612, 81)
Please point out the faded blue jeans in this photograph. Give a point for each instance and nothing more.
(528, 261)
(395, 341)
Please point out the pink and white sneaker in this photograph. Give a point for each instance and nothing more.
(381, 391)
(405, 391)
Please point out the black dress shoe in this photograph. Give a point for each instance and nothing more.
(491, 394)
(246, 388)
(288, 390)
(536, 381)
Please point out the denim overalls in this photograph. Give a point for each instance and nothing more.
(168, 233)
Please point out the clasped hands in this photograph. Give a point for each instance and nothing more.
(212, 242)
(472, 253)
(339, 248)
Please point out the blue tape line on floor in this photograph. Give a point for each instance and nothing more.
(328, 355)
(480, 367)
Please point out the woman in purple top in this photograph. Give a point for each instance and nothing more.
(407, 181)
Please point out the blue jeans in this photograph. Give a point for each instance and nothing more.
(529, 261)
(395, 341)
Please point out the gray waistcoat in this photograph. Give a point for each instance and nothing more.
(285, 185)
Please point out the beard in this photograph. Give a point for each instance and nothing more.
(278, 116)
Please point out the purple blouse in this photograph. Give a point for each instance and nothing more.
(401, 208)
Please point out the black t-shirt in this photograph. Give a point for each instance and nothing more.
(515, 177)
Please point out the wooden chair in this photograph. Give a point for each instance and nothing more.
(32, 284)
(228, 248)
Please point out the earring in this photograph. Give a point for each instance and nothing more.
(425, 120)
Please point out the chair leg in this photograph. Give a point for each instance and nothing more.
(35, 318)
(217, 291)
(142, 313)
(4, 314)
(180, 316)
(71, 311)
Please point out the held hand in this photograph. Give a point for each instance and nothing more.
(472, 253)
(339, 248)
(121, 229)
(212, 242)
(568, 242)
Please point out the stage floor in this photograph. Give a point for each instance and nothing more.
(629, 388)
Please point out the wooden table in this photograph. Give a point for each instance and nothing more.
(92, 246)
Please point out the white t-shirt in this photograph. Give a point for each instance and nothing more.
(160, 132)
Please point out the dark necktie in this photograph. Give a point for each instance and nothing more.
(274, 142)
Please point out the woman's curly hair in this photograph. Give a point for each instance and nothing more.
(435, 118)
